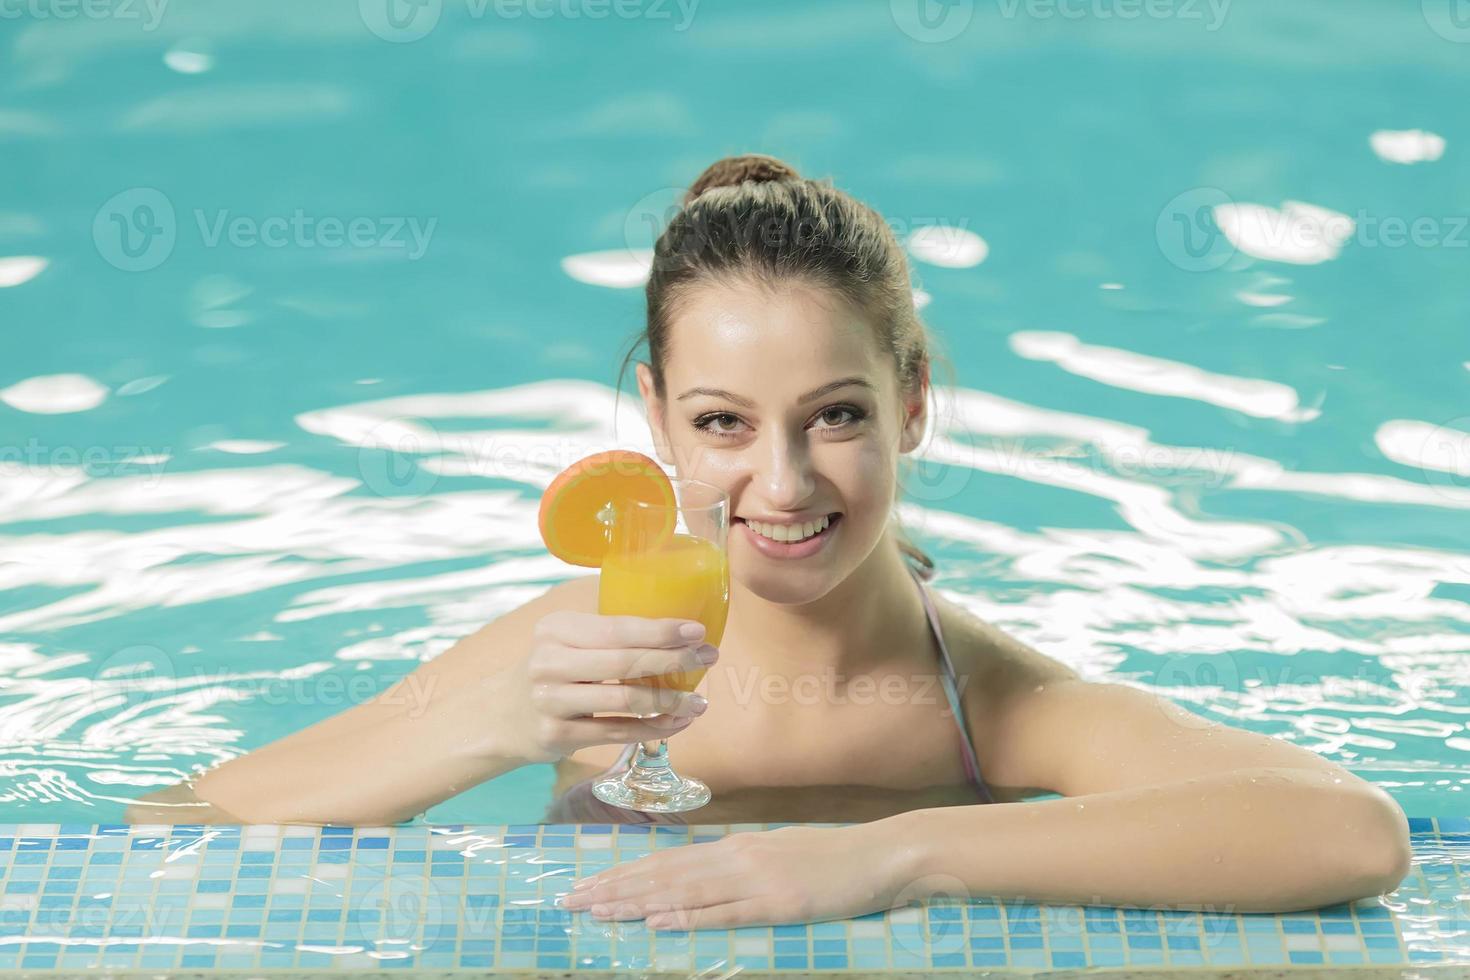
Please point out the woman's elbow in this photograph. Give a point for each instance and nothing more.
(1387, 854)
(176, 804)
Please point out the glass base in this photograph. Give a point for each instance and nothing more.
(650, 786)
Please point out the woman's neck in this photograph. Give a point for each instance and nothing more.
(872, 617)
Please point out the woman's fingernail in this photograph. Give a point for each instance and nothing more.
(707, 654)
(692, 631)
(697, 703)
(583, 884)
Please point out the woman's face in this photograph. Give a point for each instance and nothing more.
(742, 361)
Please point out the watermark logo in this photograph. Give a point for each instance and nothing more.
(135, 230)
(932, 21)
(400, 911)
(35, 456)
(1202, 229)
(1445, 455)
(1189, 233)
(935, 21)
(1450, 19)
(149, 12)
(647, 219)
(390, 460)
(130, 677)
(400, 21)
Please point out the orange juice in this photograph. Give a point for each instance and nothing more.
(689, 578)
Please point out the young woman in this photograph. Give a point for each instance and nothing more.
(788, 367)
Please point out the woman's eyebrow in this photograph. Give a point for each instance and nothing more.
(815, 393)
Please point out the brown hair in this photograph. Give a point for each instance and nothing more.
(753, 217)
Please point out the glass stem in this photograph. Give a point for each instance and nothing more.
(652, 754)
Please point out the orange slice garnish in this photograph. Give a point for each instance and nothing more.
(574, 508)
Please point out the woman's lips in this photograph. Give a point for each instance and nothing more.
(799, 549)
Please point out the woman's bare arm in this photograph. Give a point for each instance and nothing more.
(430, 736)
(1162, 806)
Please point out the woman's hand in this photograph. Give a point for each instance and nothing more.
(548, 700)
(768, 877)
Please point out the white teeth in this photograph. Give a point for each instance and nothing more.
(788, 532)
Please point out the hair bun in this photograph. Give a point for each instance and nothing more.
(733, 171)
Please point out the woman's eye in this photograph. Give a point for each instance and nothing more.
(841, 409)
(708, 424)
(715, 423)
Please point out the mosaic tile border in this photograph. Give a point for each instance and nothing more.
(457, 897)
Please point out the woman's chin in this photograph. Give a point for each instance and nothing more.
(789, 589)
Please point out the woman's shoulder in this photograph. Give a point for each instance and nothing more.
(997, 660)
(995, 672)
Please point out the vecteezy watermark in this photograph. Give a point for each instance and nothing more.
(829, 687)
(136, 230)
(1044, 461)
(1450, 19)
(1203, 229)
(1229, 677)
(935, 21)
(148, 12)
(932, 21)
(390, 457)
(399, 912)
(35, 456)
(140, 673)
(1210, 13)
(403, 21)
(1444, 456)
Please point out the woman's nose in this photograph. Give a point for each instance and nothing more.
(788, 478)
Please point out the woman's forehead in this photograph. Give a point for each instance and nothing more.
(719, 324)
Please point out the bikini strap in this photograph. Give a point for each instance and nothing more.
(951, 689)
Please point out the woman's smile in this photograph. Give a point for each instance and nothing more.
(804, 547)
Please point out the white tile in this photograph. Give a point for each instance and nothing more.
(175, 869)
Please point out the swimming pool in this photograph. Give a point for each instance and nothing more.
(303, 305)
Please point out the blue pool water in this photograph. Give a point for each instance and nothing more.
(302, 305)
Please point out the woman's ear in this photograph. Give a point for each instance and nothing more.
(916, 413)
(653, 410)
